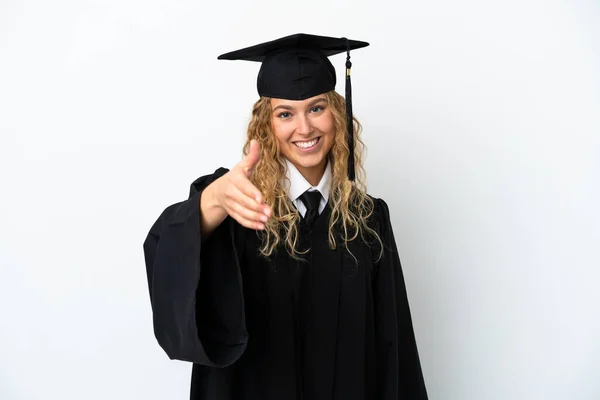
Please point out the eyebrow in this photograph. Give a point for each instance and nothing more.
(312, 103)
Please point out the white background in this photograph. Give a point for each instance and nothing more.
(482, 121)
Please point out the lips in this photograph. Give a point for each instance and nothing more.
(307, 144)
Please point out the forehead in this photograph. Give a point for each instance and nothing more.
(298, 103)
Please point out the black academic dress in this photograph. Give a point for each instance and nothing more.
(335, 326)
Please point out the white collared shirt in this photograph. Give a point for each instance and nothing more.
(298, 185)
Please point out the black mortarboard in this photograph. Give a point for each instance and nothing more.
(297, 67)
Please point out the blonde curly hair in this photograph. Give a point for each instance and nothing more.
(350, 205)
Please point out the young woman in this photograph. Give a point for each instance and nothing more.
(279, 279)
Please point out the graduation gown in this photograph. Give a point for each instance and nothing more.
(336, 326)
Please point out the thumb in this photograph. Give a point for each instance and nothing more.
(252, 158)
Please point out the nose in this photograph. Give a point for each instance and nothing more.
(303, 125)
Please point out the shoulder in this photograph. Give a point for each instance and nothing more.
(202, 182)
(381, 209)
(380, 218)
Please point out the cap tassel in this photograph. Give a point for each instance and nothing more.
(350, 120)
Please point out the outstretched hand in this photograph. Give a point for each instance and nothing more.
(239, 197)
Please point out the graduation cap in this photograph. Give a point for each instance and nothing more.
(297, 67)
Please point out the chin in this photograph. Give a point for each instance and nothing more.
(309, 162)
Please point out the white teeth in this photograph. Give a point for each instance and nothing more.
(306, 145)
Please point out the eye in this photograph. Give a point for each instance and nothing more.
(284, 115)
(316, 109)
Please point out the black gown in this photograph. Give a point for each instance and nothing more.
(331, 327)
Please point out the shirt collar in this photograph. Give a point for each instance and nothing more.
(298, 184)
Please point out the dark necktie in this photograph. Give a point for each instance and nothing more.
(311, 200)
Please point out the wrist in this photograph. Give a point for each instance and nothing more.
(215, 194)
(210, 199)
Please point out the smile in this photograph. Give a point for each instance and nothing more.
(309, 144)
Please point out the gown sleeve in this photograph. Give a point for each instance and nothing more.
(195, 284)
(398, 366)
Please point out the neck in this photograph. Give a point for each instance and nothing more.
(313, 174)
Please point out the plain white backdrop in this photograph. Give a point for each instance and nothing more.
(482, 121)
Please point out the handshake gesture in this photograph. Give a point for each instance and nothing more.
(234, 194)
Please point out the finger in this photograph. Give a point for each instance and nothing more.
(267, 210)
(246, 222)
(252, 158)
(244, 185)
(237, 196)
(249, 214)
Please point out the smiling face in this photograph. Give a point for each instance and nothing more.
(305, 131)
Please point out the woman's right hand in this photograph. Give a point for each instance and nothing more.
(238, 197)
